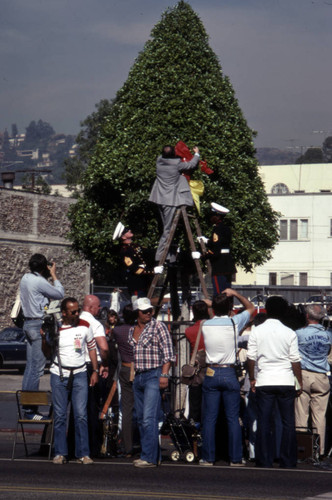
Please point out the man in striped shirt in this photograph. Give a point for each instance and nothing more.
(153, 354)
(69, 381)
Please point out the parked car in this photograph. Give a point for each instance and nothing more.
(13, 348)
(324, 299)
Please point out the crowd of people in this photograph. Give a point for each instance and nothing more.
(285, 389)
(286, 385)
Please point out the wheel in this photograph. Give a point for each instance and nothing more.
(189, 456)
(175, 456)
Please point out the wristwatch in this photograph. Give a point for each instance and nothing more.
(97, 371)
(164, 375)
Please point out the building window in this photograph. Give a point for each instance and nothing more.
(279, 188)
(284, 230)
(286, 279)
(303, 279)
(303, 232)
(272, 279)
(295, 229)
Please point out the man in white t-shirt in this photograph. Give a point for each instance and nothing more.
(97, 394)
(221, 340)
(69, 382)
(274, 348)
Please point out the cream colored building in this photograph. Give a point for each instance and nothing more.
(303, 255)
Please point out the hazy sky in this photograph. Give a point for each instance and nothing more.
(61, 57)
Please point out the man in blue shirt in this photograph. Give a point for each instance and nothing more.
(314, 346)
(35, 293)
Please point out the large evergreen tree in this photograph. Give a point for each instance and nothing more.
(175, 91)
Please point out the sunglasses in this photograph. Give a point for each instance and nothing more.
(147, 311)
(77, 311)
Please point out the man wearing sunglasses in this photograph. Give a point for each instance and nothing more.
(153, 354)
(69, 381)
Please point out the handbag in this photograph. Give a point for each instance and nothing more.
(194, 372)
(239, 366)
(17, 312)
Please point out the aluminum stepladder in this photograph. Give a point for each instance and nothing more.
(182, 212)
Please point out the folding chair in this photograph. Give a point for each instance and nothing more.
(34, 398)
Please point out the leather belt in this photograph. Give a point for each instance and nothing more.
(126, 364)
(218, 365)
(31, 319)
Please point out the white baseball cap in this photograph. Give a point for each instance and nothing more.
(142, 304)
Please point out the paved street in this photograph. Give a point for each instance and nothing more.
(35, 477)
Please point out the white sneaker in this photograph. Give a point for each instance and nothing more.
(143, 463)
(59, 460)
(85, 460)
(205, 463)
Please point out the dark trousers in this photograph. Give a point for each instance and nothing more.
(284, 397)
(127, 408)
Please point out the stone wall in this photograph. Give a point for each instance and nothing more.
(32, 223)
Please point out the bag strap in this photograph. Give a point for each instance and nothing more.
(193, 356)
(235, 345)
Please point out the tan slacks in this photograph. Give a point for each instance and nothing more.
(315, 395)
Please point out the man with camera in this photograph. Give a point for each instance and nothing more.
(69, 381)
(35, 294)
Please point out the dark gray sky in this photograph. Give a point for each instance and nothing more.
(61, 57)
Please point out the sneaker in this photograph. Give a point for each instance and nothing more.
(85, 460)
(36, 417)
(143, 463)
(59, 460)
(238, 464)
(205, 463)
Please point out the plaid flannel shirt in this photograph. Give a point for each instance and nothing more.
(154, 347)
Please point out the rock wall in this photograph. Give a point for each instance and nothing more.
(33, 223)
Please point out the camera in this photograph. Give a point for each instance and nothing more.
(51, 319)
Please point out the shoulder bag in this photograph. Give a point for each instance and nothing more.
(194, 372)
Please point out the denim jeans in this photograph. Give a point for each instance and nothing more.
(147, 405)
(36, 360)
(223, 384)
(267, 398)
(79, 398)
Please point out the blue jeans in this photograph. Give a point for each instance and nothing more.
(35, 358)
(223, 384)
(283, 397)
(79, 399)
(147, 405)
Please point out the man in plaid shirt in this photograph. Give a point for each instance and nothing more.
(153, 354)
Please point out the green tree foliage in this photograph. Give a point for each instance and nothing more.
(37, 134)
(175, 91)
(86, 141)
(327, 150)
(312, 155)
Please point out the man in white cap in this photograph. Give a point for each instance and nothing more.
(153, 354)
(219, 252)
(137, 274)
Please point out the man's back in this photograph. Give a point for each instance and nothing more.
(274, 347)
